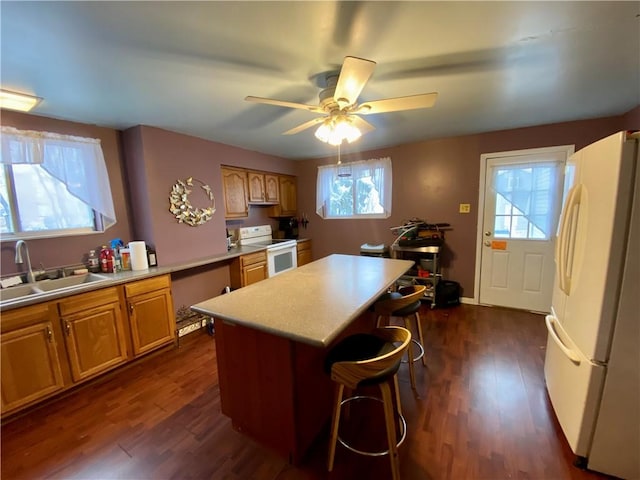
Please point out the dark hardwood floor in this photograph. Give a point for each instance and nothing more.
(481, 413)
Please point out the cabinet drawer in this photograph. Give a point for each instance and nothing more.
(148, 285)
(253, 258)
(304, 245)
(21, 317)
(83, 301)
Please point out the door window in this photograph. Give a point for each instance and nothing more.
(525, 200)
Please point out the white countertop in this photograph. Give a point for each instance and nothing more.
(311, 304)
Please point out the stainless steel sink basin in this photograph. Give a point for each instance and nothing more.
(66, 282)
(46, 286)
(17, 292)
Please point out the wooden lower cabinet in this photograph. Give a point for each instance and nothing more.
(304, 252)
(248, 269)
(30, 362)
(50, 347)
(94, 332)
(150, 313)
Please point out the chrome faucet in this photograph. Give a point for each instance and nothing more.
(19, 244)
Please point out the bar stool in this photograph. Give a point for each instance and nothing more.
(369, 359)
(404, 303)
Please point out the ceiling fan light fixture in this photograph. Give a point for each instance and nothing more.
(20, 102)
(334, 130)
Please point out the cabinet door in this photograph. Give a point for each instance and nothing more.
(288, 195)
(234, 184)
(304, 257)
(254, 273)
(256, 187)
(95, 340)
(152, 320)
(29, 363)
(304, 252)
(271, 188)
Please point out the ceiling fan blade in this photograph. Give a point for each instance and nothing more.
(363, 125)
(304, 126)
(282, 103)
(425, 100)
(353, 77)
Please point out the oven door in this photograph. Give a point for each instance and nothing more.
(281, 258)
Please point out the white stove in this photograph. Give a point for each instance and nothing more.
(281, 253)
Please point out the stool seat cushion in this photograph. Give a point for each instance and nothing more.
(389, 295)
(384, 296)
(408, 310)
(358, 347)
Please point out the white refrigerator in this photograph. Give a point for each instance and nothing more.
(592, 363)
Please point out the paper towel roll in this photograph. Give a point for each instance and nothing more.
(138, 251)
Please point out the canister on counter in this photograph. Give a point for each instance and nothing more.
(125, 255)
(106, 260)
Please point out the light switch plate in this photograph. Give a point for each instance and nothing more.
(465, 208)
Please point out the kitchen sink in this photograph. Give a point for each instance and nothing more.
(46, 286)
(66, 282)
(17, 292)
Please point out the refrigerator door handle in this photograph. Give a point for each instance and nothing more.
(566, 236)
(571, 355)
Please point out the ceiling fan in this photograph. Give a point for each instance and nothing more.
(338, 104)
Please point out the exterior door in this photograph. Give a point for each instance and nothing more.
(522, 201)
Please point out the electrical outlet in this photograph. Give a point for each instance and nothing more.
(465, 208)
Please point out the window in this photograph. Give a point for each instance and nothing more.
(52, 185)
(355, 190)
(525, 199)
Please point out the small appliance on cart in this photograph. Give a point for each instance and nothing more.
(422, 242)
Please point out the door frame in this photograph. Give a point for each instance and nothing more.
(568, 150)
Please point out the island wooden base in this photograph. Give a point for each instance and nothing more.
(274, 389)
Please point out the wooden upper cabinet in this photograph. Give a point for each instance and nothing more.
(271, 188)
(234, 185)
(263, 188)
(244, 187)
(256, 187)
(31, 363)
(288, 195)
(288, 205)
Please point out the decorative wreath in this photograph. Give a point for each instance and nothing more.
(182, 208)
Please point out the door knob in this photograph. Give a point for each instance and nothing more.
(487, 234)
(487, 243)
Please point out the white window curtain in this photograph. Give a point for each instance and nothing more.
(355, 190)
(76, 161)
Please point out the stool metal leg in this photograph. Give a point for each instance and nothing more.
(333, 439)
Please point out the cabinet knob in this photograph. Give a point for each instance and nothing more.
(67, 327)
(49, 334)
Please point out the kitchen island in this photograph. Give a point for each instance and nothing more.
(272, 337)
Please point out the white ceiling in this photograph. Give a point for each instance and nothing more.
(187, 67)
